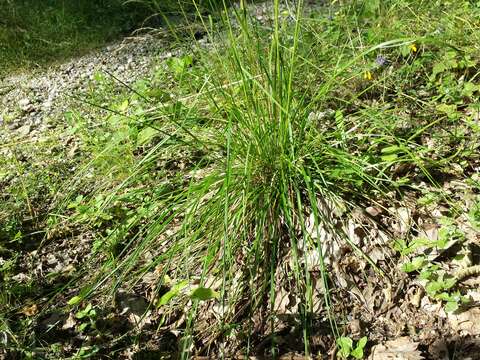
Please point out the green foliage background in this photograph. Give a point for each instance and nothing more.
(35, 32)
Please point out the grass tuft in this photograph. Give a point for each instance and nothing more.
(240, 174)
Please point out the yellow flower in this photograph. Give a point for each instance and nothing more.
(413, 47)
(367, 75)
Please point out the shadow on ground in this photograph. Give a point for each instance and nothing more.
(34, 33)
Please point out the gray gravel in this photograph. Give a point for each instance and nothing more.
(28, 101)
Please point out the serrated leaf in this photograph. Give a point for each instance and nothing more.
(433, 287)
(451, 306)
(203, 294)
(444, 296)
(448, 283)
(416, 263)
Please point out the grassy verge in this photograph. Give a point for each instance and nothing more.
(34, 33)
(232, 177)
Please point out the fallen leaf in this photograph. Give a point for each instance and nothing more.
(30, 310)
(70, 322)
(404, 220)
(402, 348)
(466, 322)
(373, 211)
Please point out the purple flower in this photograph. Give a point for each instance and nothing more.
(381, 60)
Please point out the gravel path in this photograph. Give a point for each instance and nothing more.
(29, 101)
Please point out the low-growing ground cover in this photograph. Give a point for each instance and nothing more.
(35, 33)
(296, 181)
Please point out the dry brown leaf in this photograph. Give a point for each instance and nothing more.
(402, 348)
(282, 302)
(404, 220)
(30, 310)
(466, 322)
(373, 210)
(70, 322)
(376, 254)
(415, 297)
